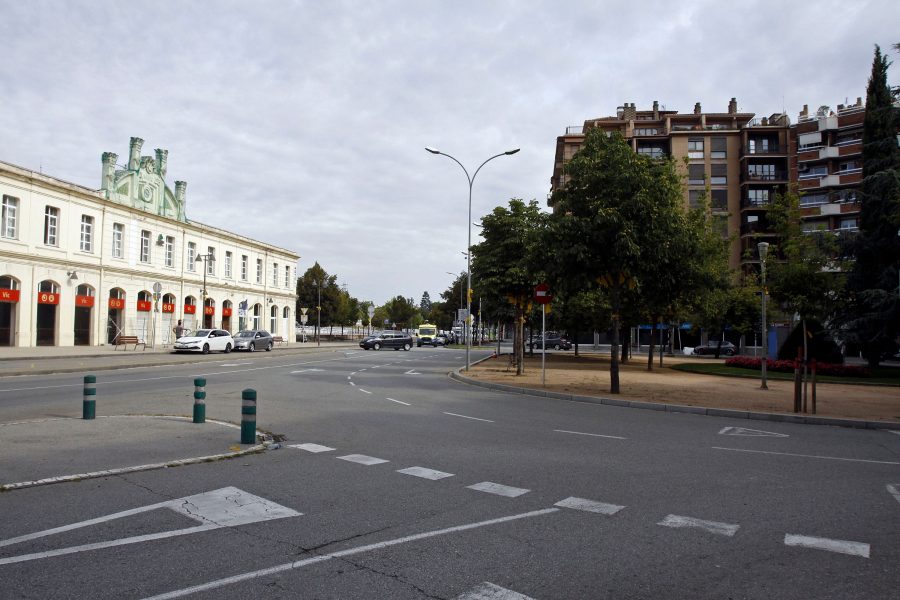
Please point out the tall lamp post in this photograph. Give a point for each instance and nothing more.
(763, 248)
(205, 258)
(318, 287)
(471, 181)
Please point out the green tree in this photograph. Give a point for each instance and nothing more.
(316, 283)
(871, 319)
(401, 311)
(425, 305)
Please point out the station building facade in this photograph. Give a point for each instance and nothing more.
(80, 266)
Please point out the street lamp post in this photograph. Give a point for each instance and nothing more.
(763, 248)
(205, 258)
(471, 181)
(318, 287)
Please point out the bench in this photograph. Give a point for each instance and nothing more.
(124, 340)
(279, 340)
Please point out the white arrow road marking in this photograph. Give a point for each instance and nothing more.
(225, 507)
(311, 447)
(498, 489)
(862, 460)
(412, 372)
(750, 432)
(398, 401)
(425, 473)
(363, 459)
(349, 552)
(894, 490)
(589, 506)
(841, 546)
(465, 417)
(710, 526)
(613, 437)
(307, 371)
(489, 591)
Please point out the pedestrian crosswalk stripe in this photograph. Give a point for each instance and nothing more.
(589, 506)
(498, 489)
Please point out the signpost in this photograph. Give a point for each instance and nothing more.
(371, 312)
(157, 289)
(543, 297)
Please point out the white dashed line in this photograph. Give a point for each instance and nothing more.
(311, 447)
(498, 489)
(877, 462)
(465, 417)
(425, 473)
(817, 543)
(613, 437)
(894, 490)
(362, 459)
(353, 384)
(489, 591)
(677, 521)
(589, 506)
(364, 391)
(398, 401)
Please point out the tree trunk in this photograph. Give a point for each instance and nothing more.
(653, 321)
(519, 339)
(614, 350)
(625, 336)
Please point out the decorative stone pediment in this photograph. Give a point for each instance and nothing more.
(141, 184)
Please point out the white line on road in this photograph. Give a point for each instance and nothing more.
(710, 526)
(364, 391)
(465, 417)
(894, 490)
(613, 437)
(398, 401)
(349, 552)
(363, 459)
(589, 506)
(743, 431)
(877, 462)
(841, 546)
(236, 364)
(498, 489)
(425, 473)
(353, 384)
(894, 431)
(311, 447)
(489, 591)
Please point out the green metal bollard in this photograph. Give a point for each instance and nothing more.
(199, 400)
(89, 406)
(248, 416)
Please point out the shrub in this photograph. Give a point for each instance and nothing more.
(787, 366)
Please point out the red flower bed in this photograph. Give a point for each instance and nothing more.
(787, 366)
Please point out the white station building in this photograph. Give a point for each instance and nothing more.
(81, 266)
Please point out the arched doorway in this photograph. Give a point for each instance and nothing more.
(209, 313)
(9, 303)
(286, 325)
(144, 308)
(226, 315)
(116, 320)
(190, 314)
(84, 312)
(257, 316)
(47, 313)
(273, 320)
(168, 316)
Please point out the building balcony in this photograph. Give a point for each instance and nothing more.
(763, 151)
(754, 204)
(757, 178)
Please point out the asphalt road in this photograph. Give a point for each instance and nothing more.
(398, 482)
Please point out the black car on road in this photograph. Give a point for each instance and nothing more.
(555, 341)
(387, 339)
(727, 348)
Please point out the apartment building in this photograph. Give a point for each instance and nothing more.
(80, 266)
(738, 161)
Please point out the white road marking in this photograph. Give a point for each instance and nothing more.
(412, 372)
(311, 447)
(498, 489)
(364, 391)
(877, 462)
(715, 527)
(225, 507)
(307, 371)
(349, 552)
(750, 432)
(235, 364)
(349, 378)
(894, 490)
(465, 417)
(353, 384)
(613, 437)
(895, 431)
(589, 506)
(398, 401)
(363, 459)
(841, 546)
(425, 473)
(489, 591)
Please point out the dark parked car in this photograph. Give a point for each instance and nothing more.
(554, 341)
(387, 339)
(253, 339)
(728, 349)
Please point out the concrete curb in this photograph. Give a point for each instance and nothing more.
(678, 408)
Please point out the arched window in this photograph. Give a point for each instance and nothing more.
(273, 320)
(84, 290)
(8, 283)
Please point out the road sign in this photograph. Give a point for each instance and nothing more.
(157, 287)
(462, 314)
(371, 311)
(304, 319)
(303, 310)
(542, 294)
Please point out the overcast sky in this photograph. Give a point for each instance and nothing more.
(303, 124)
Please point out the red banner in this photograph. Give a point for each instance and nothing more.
(168, 308)
(84, 301)
(209, 310)
(144, 305)
(226, 312)
(9, 295)
(118, 303)
(48, 298)
(190, 309)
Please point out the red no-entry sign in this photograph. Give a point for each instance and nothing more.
(542, 294)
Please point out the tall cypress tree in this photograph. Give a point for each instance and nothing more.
(872, 320)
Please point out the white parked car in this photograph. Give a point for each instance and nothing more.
(205, 341)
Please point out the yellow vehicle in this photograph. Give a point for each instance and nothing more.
(427, 334)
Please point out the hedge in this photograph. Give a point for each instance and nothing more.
(787, 366)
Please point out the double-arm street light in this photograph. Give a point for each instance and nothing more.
(471, 181)
(763, 248)
(205, 258)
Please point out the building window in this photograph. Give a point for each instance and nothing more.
(244, 266)
(287, 277)
(210, 260)
(816, 171)
(646, 131)
(696, 175)
(843, 196)
(848, 137)
(145, 246)
(695, 148)
(814, 226)
(191, 256)
(813, 199)
(228, 264)
(719, 147)
(694, 198)
(719, 175)
(719, 200)
(87, 233)
(757, 197)
(849, 224)
(274, 274)
(51, 226)
(273, 319)
(259, 270)
(763, 172)
(118, 239)
(652, 150)
(850, 165)
(9, 217)
(170, 251)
